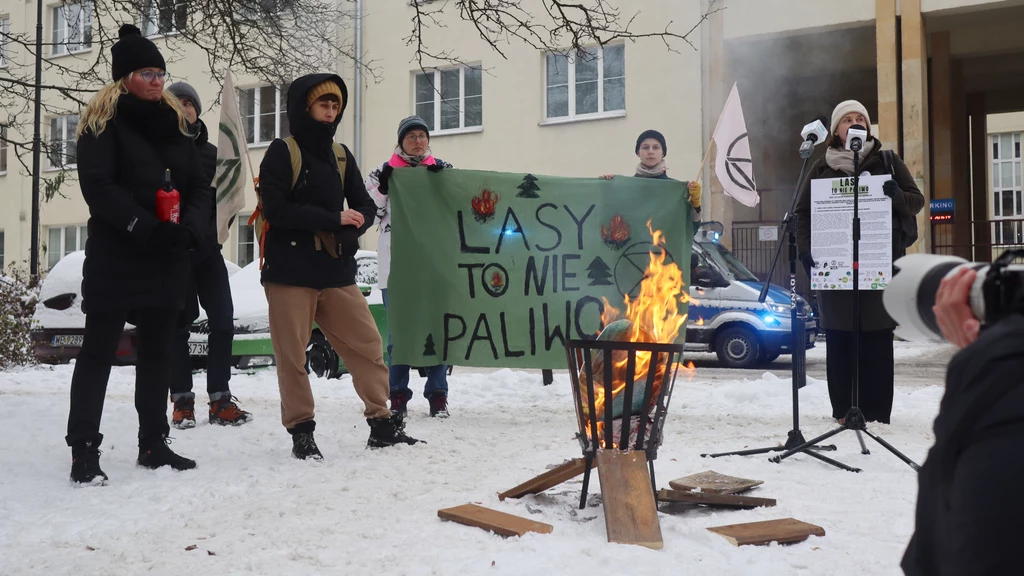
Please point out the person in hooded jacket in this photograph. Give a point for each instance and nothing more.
(136, 266)
(209, 286)
(968, 501)
(413, 150)
(652, 149)
(876, 363)
(304, 282)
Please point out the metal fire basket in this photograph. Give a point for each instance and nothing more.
(581, 358)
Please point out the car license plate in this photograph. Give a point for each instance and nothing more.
(198, 348)
(69, 340)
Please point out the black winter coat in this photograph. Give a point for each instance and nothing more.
(969, 503)
(120, 171)
(208, 157)
(836, 307)
(316, 203)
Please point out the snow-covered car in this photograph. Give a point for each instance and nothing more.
(60, 323)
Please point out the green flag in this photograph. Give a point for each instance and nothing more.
(498, 270)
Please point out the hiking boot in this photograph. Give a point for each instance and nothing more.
(227, 413)
(388, 431)
(184, 413)
(304, 447)
(85, 464)
(400, 401)
(156, 453)
(439, 405)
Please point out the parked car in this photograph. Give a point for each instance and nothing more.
(725, 316)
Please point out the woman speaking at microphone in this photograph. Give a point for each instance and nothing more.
(131, 135)
(836, 307)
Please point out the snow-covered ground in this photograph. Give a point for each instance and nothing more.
(251, 508)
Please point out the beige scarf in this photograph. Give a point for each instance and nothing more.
(652, 172)
(842, 160)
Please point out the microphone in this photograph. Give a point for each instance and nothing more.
(855, 138)
(815, 131)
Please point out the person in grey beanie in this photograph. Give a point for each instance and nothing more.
(208, 287)
(413, 150)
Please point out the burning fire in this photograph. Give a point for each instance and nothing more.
(654, 316)
(617, 233)
(497, 280)
(484, 205)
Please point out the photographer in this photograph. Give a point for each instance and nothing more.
(967, 499)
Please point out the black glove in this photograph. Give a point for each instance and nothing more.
(807, 261)
(385, 175)
(172, 237)
(891, 189)
(435, 167)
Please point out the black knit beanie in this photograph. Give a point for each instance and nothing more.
(132, 52)
(652, 134)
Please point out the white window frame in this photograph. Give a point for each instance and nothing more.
(266, 9)
(65, 138)
(5, 50)
(280, 110)
(998, 188)
(149, 20)
(3, 150)
(240, 246)
(60, 43)
(435, 130)
(571, 65)
(81, 233)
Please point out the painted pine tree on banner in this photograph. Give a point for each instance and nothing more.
(529, 188)
(599, 273)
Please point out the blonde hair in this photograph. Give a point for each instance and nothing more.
(103, 107)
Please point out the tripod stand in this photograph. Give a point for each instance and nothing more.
(854, 419)
(799, 352)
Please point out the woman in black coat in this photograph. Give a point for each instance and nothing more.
(136, 266)
(836, 307)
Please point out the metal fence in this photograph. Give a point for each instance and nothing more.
(749, 245)
(994, 237)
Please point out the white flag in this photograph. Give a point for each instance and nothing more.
(733, 163)
(231, 176)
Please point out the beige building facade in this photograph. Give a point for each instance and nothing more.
(941, 78)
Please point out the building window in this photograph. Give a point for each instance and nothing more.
(62, 150)
(261, 9)
(246, 242)
(3, 149)
(63, 240)
(72, 28)
(264, 113)
(5, 50)
(450, 99)
(586, 85)
(162, 17)
(1006, 189)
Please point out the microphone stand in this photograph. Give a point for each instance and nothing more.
(854, 419)
(799, 352)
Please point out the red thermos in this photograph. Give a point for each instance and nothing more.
(168, 201)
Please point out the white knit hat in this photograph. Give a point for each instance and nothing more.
(845, 108)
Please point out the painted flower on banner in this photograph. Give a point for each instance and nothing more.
(617, 234)
(485, 205)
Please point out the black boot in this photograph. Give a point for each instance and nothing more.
(85, 464)
(388, 431)
(155, 452)
(303, 445)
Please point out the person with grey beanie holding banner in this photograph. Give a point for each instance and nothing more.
(876, 362)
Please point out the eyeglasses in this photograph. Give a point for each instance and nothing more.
(415, 137)
(149, 75)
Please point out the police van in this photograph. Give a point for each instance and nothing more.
(725, 316)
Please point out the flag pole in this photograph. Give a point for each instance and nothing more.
(703, 162)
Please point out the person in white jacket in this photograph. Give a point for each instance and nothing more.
(413, 150)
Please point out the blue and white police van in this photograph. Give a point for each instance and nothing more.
(725, 316)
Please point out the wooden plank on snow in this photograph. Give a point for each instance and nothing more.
(630, 511)
(720, 500)
(562, 473)
(786, 530)
(500, 523)
(713, 482)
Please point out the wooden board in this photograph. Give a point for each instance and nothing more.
(498, 522)
(783, 531)
(562, 473)
(713, 482)
(722, 500)
(630, 511)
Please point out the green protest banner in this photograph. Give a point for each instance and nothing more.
(493, 269)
